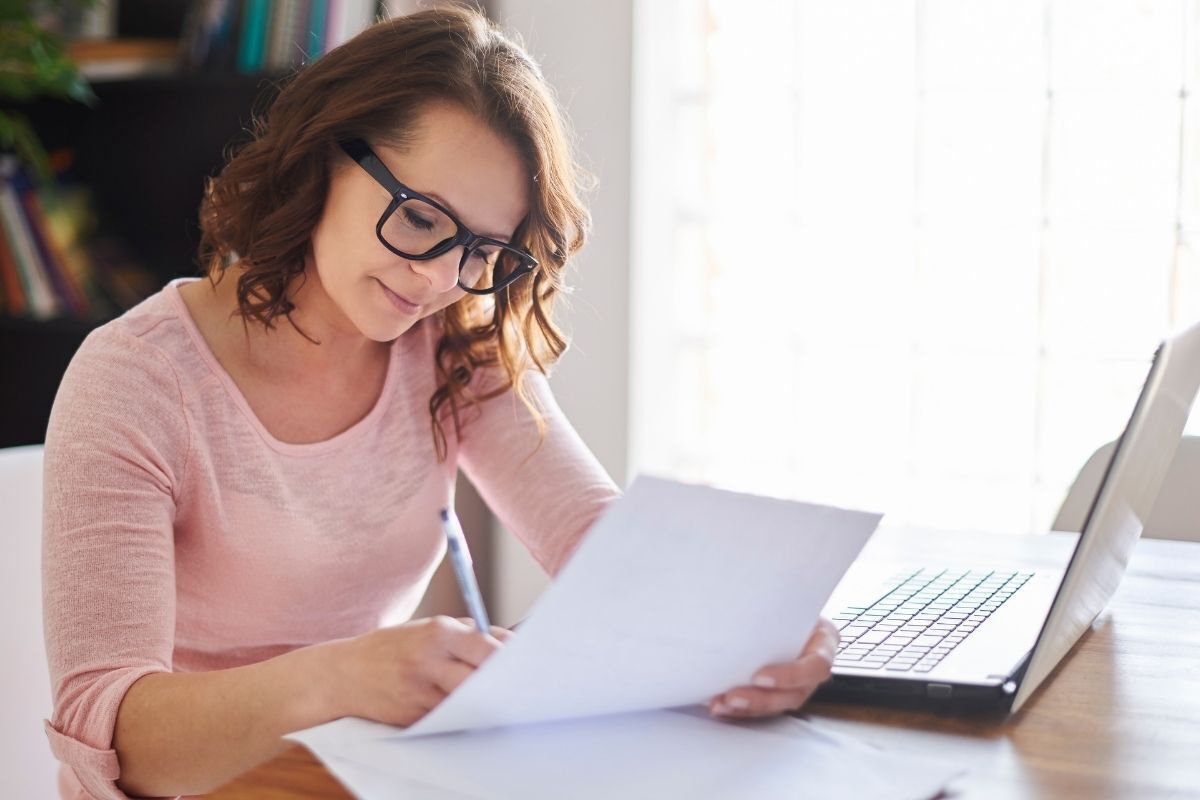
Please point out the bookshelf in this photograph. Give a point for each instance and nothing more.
(143, 152)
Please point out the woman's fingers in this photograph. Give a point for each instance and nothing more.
(812, 667)
(806, 671)
(748, 701)
(502, 634)
(824, 638)
(828, 630)
(779, 688)
(449, 674)
(463, 641)
(464, 648)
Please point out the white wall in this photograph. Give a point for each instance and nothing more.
(585, 49)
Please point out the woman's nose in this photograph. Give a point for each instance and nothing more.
(442, 271)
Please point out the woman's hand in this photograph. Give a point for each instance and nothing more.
(396, 675)
(783, 687)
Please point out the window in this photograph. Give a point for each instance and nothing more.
(907, 256)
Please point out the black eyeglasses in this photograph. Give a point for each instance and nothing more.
(418, 227)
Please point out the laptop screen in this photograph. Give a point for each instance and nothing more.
(1122, 504)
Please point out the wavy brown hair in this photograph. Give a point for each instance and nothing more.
(259, 212)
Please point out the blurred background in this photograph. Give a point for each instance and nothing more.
(911, 256)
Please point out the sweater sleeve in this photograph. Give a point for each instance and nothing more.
(116, 449)
(547, 495)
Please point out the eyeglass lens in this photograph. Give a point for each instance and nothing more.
(416, 227)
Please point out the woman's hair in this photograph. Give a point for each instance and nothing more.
(260, 211)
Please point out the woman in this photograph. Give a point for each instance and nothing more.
(243, 473)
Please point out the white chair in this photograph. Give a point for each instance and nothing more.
(28, 768)
(1176, 513)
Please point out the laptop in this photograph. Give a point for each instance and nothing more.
(985, 636)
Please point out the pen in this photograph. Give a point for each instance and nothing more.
(460, 556)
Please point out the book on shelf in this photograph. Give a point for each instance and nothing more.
(318, 17)
(253, 36)
(52, 262)
(13, 299)
(246, 36)
(282, 34)
(65, 282)
(38, 296)
(210, 36)
(254, 15)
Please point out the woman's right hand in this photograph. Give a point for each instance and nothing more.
(396, 675)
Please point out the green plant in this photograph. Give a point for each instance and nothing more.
(34, 63)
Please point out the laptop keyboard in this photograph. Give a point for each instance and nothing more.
(917, 623)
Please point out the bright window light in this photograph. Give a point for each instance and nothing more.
(908, 256)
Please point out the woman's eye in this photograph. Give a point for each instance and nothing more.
(417, 221)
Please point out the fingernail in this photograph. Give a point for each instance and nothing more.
(720, 708)
(765, 681)
(739, 702)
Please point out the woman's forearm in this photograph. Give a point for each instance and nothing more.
(188, 733)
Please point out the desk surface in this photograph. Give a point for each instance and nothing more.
(1120, 718)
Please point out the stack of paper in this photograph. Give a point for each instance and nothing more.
(677, 594)
(653, 754)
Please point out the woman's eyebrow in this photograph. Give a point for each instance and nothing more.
(452, 210)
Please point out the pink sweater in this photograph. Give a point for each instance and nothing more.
(179, 535)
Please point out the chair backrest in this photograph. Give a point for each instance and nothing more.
(1176, 513)
(28, 768)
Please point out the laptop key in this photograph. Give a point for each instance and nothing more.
(930, 640)
(868, 664)
(903, 659)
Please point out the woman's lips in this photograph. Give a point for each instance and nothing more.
(401, 304)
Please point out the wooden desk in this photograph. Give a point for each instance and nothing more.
(1120, 719)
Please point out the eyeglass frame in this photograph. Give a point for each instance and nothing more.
(362, 154)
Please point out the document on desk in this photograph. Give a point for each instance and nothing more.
(677, 593)
(648, 754)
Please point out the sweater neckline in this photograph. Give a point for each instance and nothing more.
(356, 430)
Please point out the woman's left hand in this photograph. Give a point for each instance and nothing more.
(783, 687)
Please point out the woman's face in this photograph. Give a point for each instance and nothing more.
(457, 161)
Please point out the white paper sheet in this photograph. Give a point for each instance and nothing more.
(678, 593)
(655, 754)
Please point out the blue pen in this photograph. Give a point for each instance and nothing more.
(460, 556)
